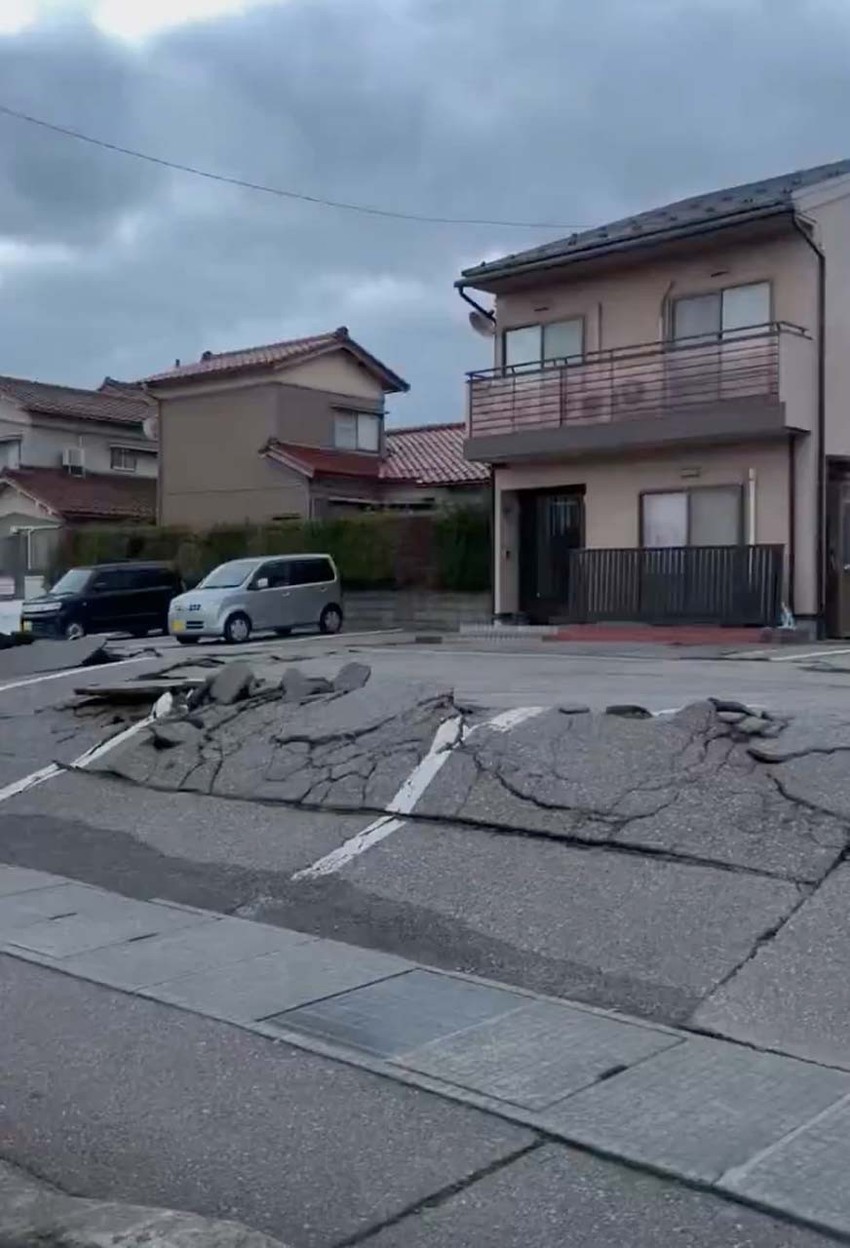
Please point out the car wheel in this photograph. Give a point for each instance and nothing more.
(237, 629)
(330, 621)
(283, 632)
(187, 641)
(74, 631)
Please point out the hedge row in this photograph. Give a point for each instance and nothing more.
(448, 551)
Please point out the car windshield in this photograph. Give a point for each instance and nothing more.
(228, 575)
(72, 582)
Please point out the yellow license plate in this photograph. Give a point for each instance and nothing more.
(178, 626)
(26, 626)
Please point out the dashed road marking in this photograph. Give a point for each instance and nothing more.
(449, 735)
(91, 755)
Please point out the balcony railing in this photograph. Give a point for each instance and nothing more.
(632, 383)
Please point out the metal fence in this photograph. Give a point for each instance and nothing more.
(740, 585)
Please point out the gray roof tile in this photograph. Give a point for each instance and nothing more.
(755, 198)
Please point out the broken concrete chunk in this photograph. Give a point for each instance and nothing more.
(299, 688)
(731, 717)
(573, 708)
(726, 705)
(627, 711)
(752, 726)
(172, 732)
(231, 684)
(352, 676)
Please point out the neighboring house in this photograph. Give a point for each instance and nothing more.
(77, 456)
(423, 468)
(667, 418)
(295, 428)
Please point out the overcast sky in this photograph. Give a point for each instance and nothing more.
(533, 110)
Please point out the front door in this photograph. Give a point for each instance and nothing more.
(551, 525)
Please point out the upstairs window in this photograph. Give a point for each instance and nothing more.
(357, 431)
(534, 346)
(736, 311)
(10, 453)
(122, 459)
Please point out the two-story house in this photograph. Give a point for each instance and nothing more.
(74, 456)
(295, 429)
(668, 415)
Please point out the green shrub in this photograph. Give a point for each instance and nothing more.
(448, 550)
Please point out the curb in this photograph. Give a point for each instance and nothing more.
(33, 1212)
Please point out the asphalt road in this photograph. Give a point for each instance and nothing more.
(660, 923)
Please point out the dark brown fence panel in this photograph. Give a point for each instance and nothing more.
(739, 585)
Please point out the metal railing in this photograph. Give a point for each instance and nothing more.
(631, 383)
(739, 585)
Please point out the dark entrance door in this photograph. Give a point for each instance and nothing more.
(551, 525)
(838, 550)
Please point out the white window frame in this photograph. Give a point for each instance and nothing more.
(687, 495)
(360, 425)
(723, 330)
(540, 359)
(14, 445)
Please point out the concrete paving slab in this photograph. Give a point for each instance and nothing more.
(701, 1108)
(558, 1198)
(794, 995)
(806, 1175)
(21, 880)
(263, 986)
(124, 1099)
(648, 936)
(60, 898)
(537, 1055)
(66, 935)
(212, 943)
(397, 1015)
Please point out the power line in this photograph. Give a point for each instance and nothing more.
(365, 209)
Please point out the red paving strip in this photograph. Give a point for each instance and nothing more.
(684, 635)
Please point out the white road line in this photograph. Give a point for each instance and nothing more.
(79, 672)
(507, 720)
(449, 735)
(91, 755)
(800, 658)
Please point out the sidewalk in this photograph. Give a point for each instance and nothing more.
(769, 1130)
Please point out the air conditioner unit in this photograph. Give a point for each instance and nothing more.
(74, 460)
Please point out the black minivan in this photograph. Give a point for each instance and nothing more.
(108, 598)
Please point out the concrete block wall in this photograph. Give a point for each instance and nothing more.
(415, 609)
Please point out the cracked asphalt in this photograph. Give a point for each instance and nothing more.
(675, 867)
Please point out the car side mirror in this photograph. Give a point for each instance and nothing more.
(262, 583)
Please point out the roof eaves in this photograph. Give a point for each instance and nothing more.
(7, 479)
(279, 456)
(650, 238)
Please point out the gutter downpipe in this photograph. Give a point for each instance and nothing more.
(473, 303)
(821, 423)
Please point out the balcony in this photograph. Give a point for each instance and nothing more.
(759, 383)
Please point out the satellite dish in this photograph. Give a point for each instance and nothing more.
(150, 427)
(482, 324)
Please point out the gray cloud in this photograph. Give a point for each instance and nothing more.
(541, 111)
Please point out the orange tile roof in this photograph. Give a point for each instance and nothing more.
(95, 496)
(273, 355)
(109, 404)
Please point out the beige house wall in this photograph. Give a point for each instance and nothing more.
(612, 502)
(829, 209)
(211, 469)
(626, 306)
(338, 373)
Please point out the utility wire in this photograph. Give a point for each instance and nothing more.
(269, 190)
